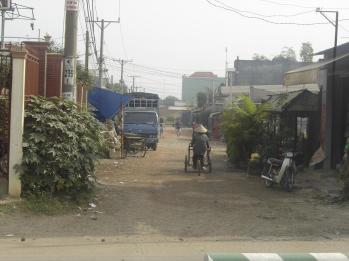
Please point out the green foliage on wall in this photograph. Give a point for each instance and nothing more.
(61, 146)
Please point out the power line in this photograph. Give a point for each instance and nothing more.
(231, 9)
(263, 15)
(299, 6)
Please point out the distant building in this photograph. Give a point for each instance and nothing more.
(259, 78)
(256, 72)
(199, 82)
(259, 93)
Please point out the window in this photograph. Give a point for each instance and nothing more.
(302, 127)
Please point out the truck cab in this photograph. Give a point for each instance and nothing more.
(141, 117)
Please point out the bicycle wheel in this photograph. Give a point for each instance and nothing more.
(288, 180)
(199, 167)
(209, 166)
(186, 164)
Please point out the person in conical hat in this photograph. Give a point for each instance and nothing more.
(200, 129)
(200, 144)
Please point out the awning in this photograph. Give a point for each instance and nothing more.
(106, 102)
(308, 74)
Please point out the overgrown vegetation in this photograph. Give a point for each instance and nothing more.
(61, 146)
(245, 129)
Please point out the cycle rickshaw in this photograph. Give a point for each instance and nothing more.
(134, 146)
(207, 163)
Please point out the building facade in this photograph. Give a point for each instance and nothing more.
(206, 82)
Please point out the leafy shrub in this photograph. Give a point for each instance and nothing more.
(61, 146)
(245, 130)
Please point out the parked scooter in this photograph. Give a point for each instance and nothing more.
(280, 172)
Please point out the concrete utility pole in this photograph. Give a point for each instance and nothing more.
(133, 81)
(102, 24)
(70, 45)
(330, 92)
(3, 20)
(122, 63)
(87, 55)
(87, 51)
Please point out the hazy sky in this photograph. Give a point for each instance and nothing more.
(175, 37)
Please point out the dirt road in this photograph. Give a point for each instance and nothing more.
(151, 199)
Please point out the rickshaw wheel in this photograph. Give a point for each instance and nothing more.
(186, 164)
(209, 166)
(199, 167)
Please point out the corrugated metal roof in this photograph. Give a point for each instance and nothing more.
(280, 102)
(331, 49)
(308, 74)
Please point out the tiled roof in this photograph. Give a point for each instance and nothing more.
(203, 74)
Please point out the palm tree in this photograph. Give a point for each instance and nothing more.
(244, 127)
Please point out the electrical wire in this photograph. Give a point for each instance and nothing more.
(231, 9)
(263, 15)
(300, 6)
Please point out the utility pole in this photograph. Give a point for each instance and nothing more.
(70, 45)
(87, 51)
(102, 24)
(87, 56)
(133, 81)
(122, 63)
(3, 20)
(330, 92)
(13, 11)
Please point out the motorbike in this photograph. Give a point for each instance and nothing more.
(280, 171)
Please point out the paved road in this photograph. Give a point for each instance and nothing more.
(92, 249)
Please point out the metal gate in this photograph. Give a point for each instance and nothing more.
(5, 115)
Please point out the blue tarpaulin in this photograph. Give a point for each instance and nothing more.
(107, 103)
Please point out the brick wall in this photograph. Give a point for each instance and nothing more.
(39, 49)
(32, 75)
(54, 75)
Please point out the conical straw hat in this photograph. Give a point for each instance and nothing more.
(200, 129)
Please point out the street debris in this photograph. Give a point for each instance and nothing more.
(92, 205)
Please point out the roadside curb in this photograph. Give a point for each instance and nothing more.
(278, 257)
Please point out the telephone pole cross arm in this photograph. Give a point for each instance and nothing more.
(102, 24)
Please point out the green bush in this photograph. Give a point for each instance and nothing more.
(245, 129)
(61, 146)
